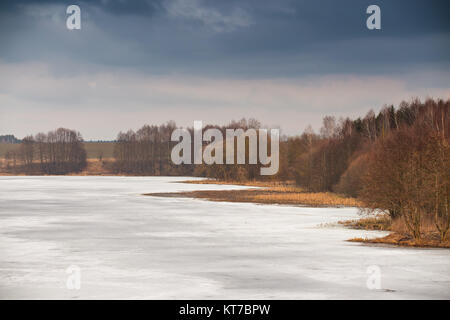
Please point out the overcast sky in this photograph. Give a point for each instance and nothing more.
(286, 63)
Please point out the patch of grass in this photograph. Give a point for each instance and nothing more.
(306, 198)
(250, 183)
(5, 147)
(379, 222)
(95, 149)
(94, 168)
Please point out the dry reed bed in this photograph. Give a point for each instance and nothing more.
(269, 192)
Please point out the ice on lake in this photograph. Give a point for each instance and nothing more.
(127, 245)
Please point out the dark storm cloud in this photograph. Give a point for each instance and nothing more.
(234, 37)
(118, 7)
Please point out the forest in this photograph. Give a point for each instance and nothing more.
(57, 152)
(395, 161)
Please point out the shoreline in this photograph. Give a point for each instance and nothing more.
(261, 192)
(286, 193)
(275, 192)
(244, 196)
(400, 240)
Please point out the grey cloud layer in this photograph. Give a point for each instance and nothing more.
(32, 99)
(234, 38)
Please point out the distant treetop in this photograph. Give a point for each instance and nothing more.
(9, 138)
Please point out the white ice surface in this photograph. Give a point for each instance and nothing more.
(133, 246)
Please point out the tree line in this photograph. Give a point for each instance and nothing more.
(408, 171)
(57, 152)
(147, 152)
(395, 161)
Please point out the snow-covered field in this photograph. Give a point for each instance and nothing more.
(127, 245)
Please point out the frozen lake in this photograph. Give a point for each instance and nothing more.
(127, 245)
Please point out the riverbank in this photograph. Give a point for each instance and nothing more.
(284, 193)
(399, 235)
(429, 240)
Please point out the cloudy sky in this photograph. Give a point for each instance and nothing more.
(286, 63)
